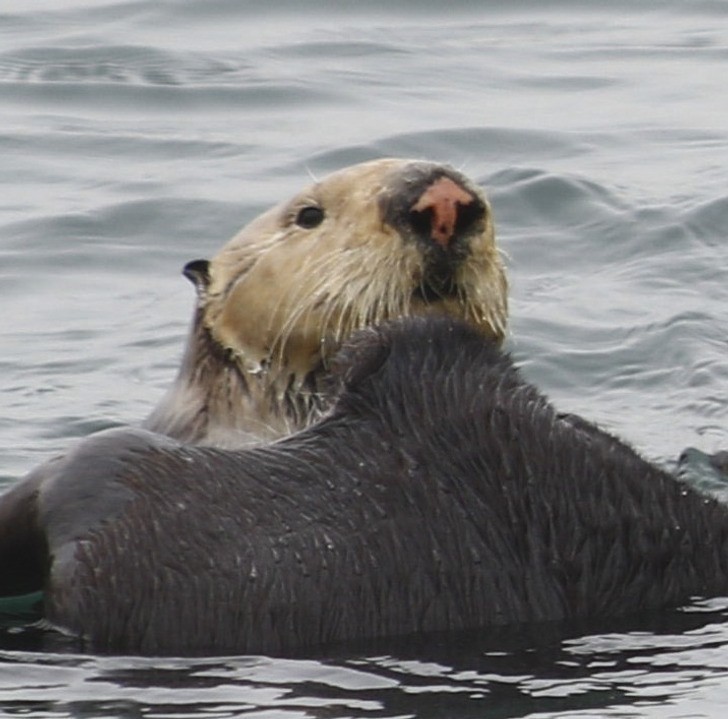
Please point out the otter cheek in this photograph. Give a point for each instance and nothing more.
(265, 321)
(245, 325)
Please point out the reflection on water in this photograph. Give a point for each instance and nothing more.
(550, 669)
(137, 136)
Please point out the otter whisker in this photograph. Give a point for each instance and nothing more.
(296, 302)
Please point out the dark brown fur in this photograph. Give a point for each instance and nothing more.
(442, 492)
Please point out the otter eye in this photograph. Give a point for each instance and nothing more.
(309, 217)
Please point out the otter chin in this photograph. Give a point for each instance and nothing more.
(374, 242)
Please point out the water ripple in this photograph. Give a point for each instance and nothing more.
(138, 135)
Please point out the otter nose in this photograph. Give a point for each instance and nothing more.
(443, 211)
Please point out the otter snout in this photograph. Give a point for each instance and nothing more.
(433, 205)
(444, 211)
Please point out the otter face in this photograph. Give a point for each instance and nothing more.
(373, 242)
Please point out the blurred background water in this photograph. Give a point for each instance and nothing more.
(137, 135)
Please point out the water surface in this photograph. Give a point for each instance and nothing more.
(136, 136)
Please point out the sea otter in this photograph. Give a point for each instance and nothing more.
(440, 492)
(372, 242)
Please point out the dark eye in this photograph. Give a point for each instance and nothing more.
(309, 217)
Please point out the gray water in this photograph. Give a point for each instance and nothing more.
(137, 135)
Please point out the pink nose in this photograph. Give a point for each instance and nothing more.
(441, 203)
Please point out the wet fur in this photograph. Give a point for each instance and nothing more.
(441, 492)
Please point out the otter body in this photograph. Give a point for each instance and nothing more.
(440, 492)
(373, 242)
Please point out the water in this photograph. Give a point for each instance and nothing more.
(138, 135)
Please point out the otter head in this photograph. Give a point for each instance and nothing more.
(370, 243)
(381, 240)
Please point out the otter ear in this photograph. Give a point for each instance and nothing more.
(198, 272)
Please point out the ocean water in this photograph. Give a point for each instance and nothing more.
(137, 135)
